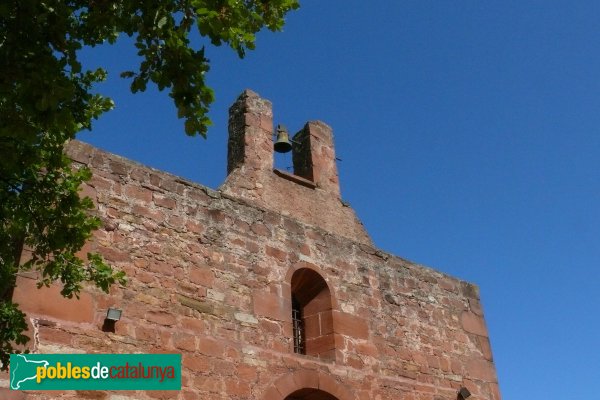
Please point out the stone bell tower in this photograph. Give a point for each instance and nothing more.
(311, 194)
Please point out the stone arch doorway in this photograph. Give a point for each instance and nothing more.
(310, 394)
(308, 385)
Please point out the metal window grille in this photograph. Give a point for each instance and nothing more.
(298, 327)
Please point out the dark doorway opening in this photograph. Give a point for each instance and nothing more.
(310, 394)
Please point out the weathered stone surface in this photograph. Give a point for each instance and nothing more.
(48, 302)
(200, 306)
(473, 323)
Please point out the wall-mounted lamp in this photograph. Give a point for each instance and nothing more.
(463, 393)
(112, 316)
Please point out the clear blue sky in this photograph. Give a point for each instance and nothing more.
(469, 134)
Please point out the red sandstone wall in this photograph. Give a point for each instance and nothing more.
(209, 277)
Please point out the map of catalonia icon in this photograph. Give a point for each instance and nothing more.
(23, 368)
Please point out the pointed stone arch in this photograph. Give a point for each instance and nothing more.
(308, 384)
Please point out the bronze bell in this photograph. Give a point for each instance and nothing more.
(282, 144)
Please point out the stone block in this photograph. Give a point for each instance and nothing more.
(271, 305)
(473, 323)
(48, 302)
(350, 325)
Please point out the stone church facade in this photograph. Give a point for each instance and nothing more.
(269, 287)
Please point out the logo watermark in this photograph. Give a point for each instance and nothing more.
(95, 371)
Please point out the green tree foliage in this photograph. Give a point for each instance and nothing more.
(46, 98)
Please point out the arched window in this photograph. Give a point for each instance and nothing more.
(312, 315)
